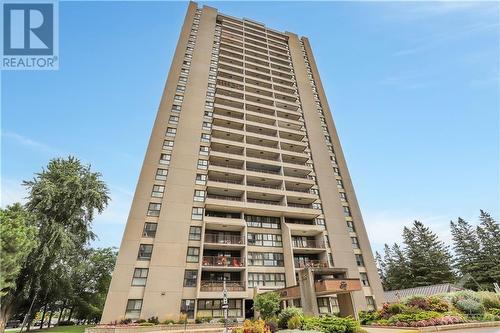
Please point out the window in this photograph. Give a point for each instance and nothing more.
(173, 119)
(203, 164)
(178, 98)
(320, 221)
(154, 209)
(213, 308)
(370, 302)
(336, 171)
(176, 108)
(171, 131)
(133, 310)
(339, 183)
(140, 277)
(149, 229)
(209, 104)
(266, 280)
(187, 307)
(359, 260)
(165, 159)
(343, 196)
(323, 305)
(183, 79)
(190, 277)
(265, 259)
(364, 279)
(347, 211)
(161, 174)
(208, 114)
(207, 125)
(316, 205)
(201, 179)
(194, 233)
(199, 195)
(270, 222)
(158, 191)
(181, 89)
(327, 241)
(168, 144)
(355, 242)
(264, 240)
(145, 251)
(193, 254)
(334, 302)
(205, 137)
(204, 150)
(314, 191)
(197, 213)
(350, 226)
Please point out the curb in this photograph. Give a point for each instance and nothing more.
(459, 326)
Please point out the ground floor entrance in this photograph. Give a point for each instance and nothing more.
(249, 309)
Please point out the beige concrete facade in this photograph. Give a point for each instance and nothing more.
(244, 179)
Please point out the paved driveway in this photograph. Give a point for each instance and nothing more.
(462, 330)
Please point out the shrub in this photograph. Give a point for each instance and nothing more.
(438, 304)
(463, 295)
(272, 323)
(126, 321)
(413, 317)
(268, 304)
(417, 301)
(146, 324)
(367, 317)
(255, 326)
(396, 308)
(470, 306)
(168, 322)
(288, 313)
(495, 312)
(200, 319)
(489, 300)
(153, 320)
(140, 321)
(71, 323)
(330, 324)
(295, 322)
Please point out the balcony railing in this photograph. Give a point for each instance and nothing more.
(311, 263)
(223, 261)
(225, 165)
(224, 239)
(308, 244)
(276, 187)
(218, 285)
(298, 190)
(290, 204)
(223, 197)
(265, 202)
(225, 181)
(275, 172)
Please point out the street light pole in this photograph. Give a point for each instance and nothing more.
(225, 306)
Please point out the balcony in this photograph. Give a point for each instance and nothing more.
(229, 239)
(300, 264)
(219, 262)
(210, 286)
(297, 205)
(223, 197)
(301, 245)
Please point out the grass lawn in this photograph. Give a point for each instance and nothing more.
(57, 329)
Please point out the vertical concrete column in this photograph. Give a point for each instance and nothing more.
(308, 292)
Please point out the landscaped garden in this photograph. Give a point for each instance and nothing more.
(444, 309)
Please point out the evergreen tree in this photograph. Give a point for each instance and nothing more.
(393, 268)
(467, 252)
(429, 261)
(488, 234)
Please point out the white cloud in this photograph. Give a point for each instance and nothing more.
(25, 141)
(12, 191)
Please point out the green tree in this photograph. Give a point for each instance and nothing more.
(467, 251)
(429, 260)
(395, 268)
(63, 200)
(268, 304)
(18, 238)
(488, 234)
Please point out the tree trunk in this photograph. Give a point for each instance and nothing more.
(70, 312)
(50, 317)
(60, 312)
(5, 313)
(43, 315)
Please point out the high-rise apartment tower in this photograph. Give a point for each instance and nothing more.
(244, 179)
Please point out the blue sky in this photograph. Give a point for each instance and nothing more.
(413, 87)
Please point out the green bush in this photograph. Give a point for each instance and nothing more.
(495, 312)
(416, 301)
(200, 319)
(140, 321)
(67, 323)
(153, 320)
(409, 318)
(146, 324)
(330, 324)
(438, 304)
(396, 308)
(168, 322)
(489, 300)
(470, 306)
(295, 322)
(272, 324)
(268, 304)
(367, 317)
(286, 314)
